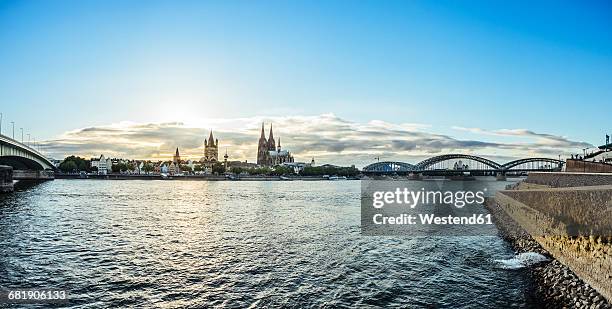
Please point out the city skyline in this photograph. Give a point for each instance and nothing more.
(306, 153)
(328, 138)
(503, 79)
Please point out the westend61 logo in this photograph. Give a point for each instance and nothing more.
(425, 208)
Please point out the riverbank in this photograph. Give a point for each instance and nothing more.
(197, 177)
(557, 286)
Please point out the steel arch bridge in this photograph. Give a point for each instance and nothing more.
(389, 167)
(453, 163)
(431, 162)
(533, 164)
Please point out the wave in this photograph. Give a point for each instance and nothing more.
(522, 260)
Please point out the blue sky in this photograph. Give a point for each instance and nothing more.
(458, 68)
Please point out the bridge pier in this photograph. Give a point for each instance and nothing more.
(500, 176)
(6, 179)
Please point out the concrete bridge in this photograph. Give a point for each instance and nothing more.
(21, 162)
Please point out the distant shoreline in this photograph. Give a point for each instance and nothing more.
(232, 178)
(196, 177)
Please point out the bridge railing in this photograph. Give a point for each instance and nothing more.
(14, 142)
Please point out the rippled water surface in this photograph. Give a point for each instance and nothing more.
(176, 244)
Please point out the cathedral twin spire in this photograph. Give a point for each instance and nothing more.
(271, 144)
(267, 148)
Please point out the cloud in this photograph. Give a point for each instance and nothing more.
(328, 138)
(542, 139)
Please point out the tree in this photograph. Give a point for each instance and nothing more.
(198, 168)
(147, 167)
(282, 170)
(260, 171)
(123, 167)
(68, 166)
(115, 168)
(329, 170)
(218, 168)
(236, 170)
(75, 164)
(82, 165)
(186, 168)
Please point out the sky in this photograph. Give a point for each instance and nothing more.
(342, 81)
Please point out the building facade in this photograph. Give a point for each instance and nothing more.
(103, 165)
(270, 154)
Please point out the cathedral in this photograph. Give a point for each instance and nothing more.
(268, 153)
(211, 150)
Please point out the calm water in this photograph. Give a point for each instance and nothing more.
(175, 244)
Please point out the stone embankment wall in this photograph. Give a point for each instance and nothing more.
(32, 175)
(572, 223)
(556, 285)
(559, 179)
(580, 166)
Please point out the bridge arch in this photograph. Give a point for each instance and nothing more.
(425, 164)
(20, 163)
(21, 156)
(519, 162)
(389, 167)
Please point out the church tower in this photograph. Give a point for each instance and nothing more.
(271, 142)
(177, 157)
(211, 149)
(262, 148)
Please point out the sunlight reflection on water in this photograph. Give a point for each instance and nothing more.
(196, 243)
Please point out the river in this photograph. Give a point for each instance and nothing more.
(176, 244)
